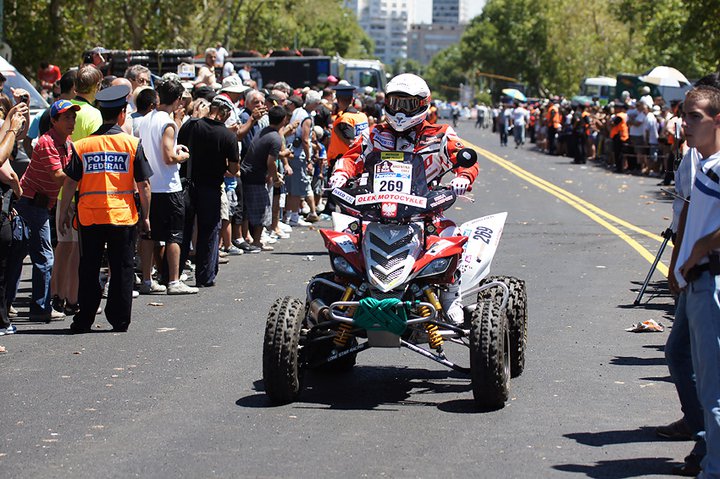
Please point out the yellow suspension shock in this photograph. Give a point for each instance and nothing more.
(435, 340)
(344, 330)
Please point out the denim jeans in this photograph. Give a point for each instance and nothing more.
(703, 313)
(39, 246)
(679, 360)
(519, 133)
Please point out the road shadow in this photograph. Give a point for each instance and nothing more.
(622, 468)
(376, 388)
(608, 438)
(635, 361)
(665, 379)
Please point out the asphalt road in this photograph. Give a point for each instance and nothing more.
(181, 395)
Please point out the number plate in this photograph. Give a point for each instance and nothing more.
(391, 177)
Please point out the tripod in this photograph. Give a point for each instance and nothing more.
(667, 235)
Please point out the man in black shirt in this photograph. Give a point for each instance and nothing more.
(213, 151)
(259, 163)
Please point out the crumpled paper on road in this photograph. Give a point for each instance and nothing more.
(649, 326)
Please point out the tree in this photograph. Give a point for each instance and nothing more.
(445, 73)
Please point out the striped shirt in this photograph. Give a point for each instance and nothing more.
(51, 153)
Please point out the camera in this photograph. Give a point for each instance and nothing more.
(24, 99)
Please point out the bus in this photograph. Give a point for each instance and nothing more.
(602, 88)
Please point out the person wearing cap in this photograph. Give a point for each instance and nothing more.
(40, 184)
(349, 123)
(89, 118)
(234, 90)
(106, 169)
(213, 152)
(158, 134)
(95, 57)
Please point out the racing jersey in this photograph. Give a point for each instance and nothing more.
(437, 144)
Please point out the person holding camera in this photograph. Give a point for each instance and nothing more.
(40, 184)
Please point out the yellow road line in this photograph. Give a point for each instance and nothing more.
(591, 211)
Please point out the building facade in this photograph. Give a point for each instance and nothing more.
(387, 22)
(450, 12)
(426, 40)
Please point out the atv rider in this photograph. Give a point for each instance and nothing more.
(407, 103)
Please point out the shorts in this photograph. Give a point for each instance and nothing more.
(231, 196)
(224, 205)
(298, 183)
(256, 204)
(236, 214)
(167, 217)
(71, 235)
(317, 185)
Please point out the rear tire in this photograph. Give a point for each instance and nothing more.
(516, 312)
(489, 362)
(281, 365)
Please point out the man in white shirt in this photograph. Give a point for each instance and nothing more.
(520, 117)
(697, 267)
(650, 132)
(636, 121)
(158, 134)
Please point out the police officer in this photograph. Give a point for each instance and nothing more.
(106, 169)
(348, 124)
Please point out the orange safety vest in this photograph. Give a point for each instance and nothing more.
(622, 128)
(553, 117)
(587, 124)
(432, 115)
(337, 147)
(107, 186)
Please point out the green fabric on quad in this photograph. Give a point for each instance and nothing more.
(388, 314)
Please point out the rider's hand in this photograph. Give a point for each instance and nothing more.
(337, 181)
(460, 185)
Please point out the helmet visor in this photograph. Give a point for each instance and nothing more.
(409, 105)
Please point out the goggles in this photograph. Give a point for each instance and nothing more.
(409, 105)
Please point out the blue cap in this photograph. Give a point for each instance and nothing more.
(112, 97)
(61, 106)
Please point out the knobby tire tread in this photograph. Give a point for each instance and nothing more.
(281, 368)
(487, 337)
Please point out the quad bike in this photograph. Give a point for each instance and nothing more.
(392, 254)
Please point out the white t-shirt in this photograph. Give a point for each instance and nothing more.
(651, 128)
(519, 116)
(703, 215)
(165, 178)
(638, 130)
(220, 53)
(684, 177)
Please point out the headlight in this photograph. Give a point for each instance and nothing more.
(342, 266)
(437, 266)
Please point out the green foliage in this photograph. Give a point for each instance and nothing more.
(445, 73)
(550, 46)
(60, 30)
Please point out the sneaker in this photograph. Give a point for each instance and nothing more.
(52, 315)
(299, 222)
(189, 265)
(305, 210)
(279, 235)
(135, 294)
(234, 251)
(178, 287)
(267, 248)
(325, 217)
(223, 260)
(71, 309)
(268, 239)
(183, 277)
(676, 431)
(57, 303)
(252, 249)
(9, 330)
(152, 287)
(12, 312)
(223, 254)
(243, 245)
(312, 218)
(284, 227)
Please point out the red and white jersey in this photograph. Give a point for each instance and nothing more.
(437, 144)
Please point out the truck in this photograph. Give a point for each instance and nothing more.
(302, 71)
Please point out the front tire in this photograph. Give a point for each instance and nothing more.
(516, 312)
(281, 365)
(489, 361)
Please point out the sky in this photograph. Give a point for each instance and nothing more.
(423, 10)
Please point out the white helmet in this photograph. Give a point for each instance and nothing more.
(407, 101)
